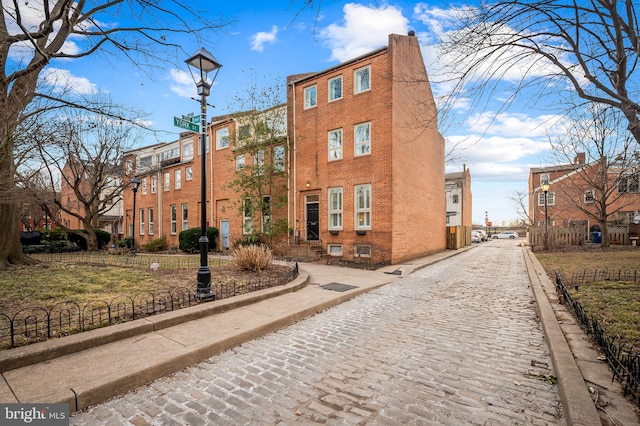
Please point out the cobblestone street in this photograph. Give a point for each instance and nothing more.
(456, 343)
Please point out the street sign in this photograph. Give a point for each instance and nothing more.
(186, 124)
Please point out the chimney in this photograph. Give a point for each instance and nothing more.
(580, 158)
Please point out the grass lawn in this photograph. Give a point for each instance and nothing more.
(616, 305)
(49, 283)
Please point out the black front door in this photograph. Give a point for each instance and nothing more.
(313, 221)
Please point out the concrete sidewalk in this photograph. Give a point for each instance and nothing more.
(91, 367)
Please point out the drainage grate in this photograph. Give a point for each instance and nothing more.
(338, 287)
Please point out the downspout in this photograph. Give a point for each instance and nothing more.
(295, 175)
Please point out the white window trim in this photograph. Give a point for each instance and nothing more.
(141, 225)
(363, 210)
(551, 198)
(177, 179)
(173, 212)
(306, 99)
(339, 211)
(151, 221)
(188, 173)
(337, 247)
(341, 147)
(220, 135)
(330, 92)
(240, 162)
(167, 181)
(592, 200)
(247, 221)
(154, 184)
(355, 80)
(185, 222)
(357, 144)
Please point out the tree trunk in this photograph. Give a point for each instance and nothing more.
(11, 250)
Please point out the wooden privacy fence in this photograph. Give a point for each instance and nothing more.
(458, 237)
(559, 236)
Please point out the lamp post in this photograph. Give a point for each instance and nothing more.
(486, 221)
(135, 183)
(203, 62)
(544, 186)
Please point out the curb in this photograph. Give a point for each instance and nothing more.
(577, 404)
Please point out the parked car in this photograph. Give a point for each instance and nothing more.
(476, 237)
(484, 235)
(506, 234)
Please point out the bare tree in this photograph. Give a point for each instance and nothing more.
(599, 188)
(260, 150)
(80, 156)
(35, 33)
(520, 200)
(540, 47)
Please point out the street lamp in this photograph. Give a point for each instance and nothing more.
(544, 187)
(135, 183)
(204, 62)
(486, 221)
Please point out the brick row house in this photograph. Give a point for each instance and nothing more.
(357, 167)
(571, 193)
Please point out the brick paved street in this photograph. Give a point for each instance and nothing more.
(456, 343)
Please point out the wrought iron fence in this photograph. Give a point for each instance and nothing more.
(623, 359)
(39, 323)
(590, 275)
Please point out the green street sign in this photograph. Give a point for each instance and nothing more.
(185, 124)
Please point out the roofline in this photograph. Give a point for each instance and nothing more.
(340, 65)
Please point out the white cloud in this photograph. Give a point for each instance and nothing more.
(62, 80)
(182, 84)
(514, 124)
(259, 39)
(364, 29)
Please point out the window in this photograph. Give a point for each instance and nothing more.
(310, 99)
(544, 177)
(185, 217)
(144, 186)
(239, 162)
(187, 150)
(362, 139)
(335, 208)
(151, 218)
(363, 206)
(335, 144)
(334, 249)
(361, 79)
(222, 138)
(258, 162)
(266, 213)
(129, 167)
(278, 158)
(335, 88)
(455, 198)
(167, 179)
(247, 212)
(629, 183)
(188, 173)
(144, 162)
(588, 196)
(244, 131)
(141, 221)
(361, 250)
(551, 199)
(174, 214)
(178, 179)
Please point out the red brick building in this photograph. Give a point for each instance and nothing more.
(571, 194)
(358, 168)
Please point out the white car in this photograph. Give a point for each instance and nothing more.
(476, 237)
(506, 234)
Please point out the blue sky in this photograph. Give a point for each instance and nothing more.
(270, 40)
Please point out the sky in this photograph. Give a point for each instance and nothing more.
(269, 40)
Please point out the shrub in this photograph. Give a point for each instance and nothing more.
(125, 242)
(157, 245)
(103, 238)
(253, 257)
(189, 239)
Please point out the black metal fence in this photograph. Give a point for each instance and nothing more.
(38, 323)
(623, 359)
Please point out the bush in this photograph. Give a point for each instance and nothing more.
(253, 257)
(189, 239)
(157, 245)
(103, 237)
(125, 242)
